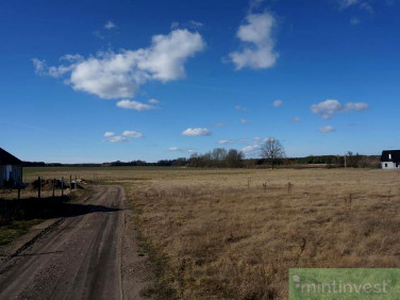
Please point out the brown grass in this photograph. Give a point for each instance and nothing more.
(236, 233)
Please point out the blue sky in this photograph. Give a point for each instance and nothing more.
(96, 81)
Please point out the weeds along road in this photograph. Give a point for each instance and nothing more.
(79, 257)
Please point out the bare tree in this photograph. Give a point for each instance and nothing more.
(234, 158)
(273, 151)
(218, 156)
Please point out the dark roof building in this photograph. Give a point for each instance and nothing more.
(390, 159)
(8, 159)
(10, 170)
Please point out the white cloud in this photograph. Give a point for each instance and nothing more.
(127, 104)
(182, 150)
(277, 103)
(258, 45)
(124, 137)
(329, 107)
(195, 24)
(174, 25)
(108, 134)
(361, 4)
(165, 59)
(255, 148)
(72, 57)
(59, 71)
(254, 4)
(118, 75)
(98, 35)
(327, 129)
(251, 150)
(118, 139)
(244, 121)
(107, 77)
(191, 24)
(295, 119)
(356, 106)
(196, 132)
(226, 142)
(133, 134)
(230, 142)
(39, 65)
(257, 30)
(153, 101)
(109, 25)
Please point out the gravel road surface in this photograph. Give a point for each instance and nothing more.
(80, 256)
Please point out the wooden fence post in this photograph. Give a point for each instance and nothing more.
(62, 186)
(54, 186)
(39, 187)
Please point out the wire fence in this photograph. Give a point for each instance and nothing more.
(43, 188)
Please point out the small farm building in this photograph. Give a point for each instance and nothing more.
(10, 170)
(390, 159)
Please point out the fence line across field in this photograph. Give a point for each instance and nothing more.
(64, 188)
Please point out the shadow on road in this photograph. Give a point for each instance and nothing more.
(45, 208)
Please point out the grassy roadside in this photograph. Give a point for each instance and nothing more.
(160, 289)
(11, 230)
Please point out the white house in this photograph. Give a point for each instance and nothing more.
(10, 170)
(390, 159)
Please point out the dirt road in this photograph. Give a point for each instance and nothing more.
(79, 257)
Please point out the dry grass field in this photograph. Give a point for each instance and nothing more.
(235, 233)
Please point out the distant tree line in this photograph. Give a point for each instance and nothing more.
(222, 158)
(328, 161)
(349, 160)
(182, 161)
(179, 162)
(217, 158)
